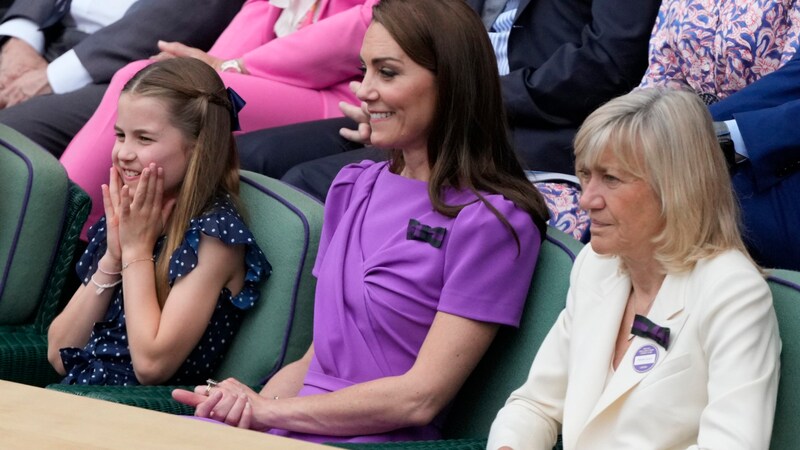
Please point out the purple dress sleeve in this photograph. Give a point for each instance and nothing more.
(486, 275)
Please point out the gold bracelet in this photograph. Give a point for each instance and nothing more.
(125, 266)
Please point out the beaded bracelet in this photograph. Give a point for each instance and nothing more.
(125, 266)
(103, 286)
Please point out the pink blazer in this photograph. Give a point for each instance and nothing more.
(322, 56)
(295, 78)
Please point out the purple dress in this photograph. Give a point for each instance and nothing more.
(381, 280)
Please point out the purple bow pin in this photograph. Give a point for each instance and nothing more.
(643, 327)
(420, 232)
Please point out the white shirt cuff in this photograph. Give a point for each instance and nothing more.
(26, 30)
(537, 176)
(67, 74)
(736, 137)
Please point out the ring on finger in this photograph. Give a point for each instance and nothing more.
(211, 384)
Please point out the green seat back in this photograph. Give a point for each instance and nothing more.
(287, 225)
(507, 362)
(55, 295)
(33, 207)
(785, 286)
(23, 348)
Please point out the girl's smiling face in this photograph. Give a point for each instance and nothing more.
(146, 135)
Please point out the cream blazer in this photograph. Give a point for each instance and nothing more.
(714, 388)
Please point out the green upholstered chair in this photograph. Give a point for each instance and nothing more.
(287, 226)
(785, 286)
(41, 216)
(507, 362)
(34, 193)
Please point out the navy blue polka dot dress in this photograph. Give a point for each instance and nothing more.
(106, 359)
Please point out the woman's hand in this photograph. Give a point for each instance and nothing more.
(229, 401)
(143, 215)
(176, 50)
(450, 352)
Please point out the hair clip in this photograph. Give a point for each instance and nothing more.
(237, 103)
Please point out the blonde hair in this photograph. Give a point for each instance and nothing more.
(666, 138)
(199, 107)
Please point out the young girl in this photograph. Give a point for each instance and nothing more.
(171, 241)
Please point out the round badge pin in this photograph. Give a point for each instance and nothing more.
(645, 358)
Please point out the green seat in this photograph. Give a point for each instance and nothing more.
(507, 362)
(287, 225)
(23, 348)
(41, 216)
(785, 286)
(34, 206)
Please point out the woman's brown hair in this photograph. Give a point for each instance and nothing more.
(468, 146)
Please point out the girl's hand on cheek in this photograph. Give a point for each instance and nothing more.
(111, 203)
(142, 215)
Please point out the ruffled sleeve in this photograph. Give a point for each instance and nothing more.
(486, 274)
(87, 264)
(224, 223)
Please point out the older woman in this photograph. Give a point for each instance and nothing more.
(669, 338)
(421, 258)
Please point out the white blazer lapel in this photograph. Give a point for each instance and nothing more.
(667, 311)
(594, 336)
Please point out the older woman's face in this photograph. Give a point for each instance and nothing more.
(399, 93)
(625, 212)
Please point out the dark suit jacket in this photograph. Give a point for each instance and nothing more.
(35, 10)
(567, 57)
(767, 113)
(196, 23)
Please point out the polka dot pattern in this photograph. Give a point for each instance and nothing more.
(106, 358)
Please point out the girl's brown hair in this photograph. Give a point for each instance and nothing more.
(199, 107)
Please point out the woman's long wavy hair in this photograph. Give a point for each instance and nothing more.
(199, 107)
(468, 145)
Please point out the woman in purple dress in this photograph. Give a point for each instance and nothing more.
(421, 258)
